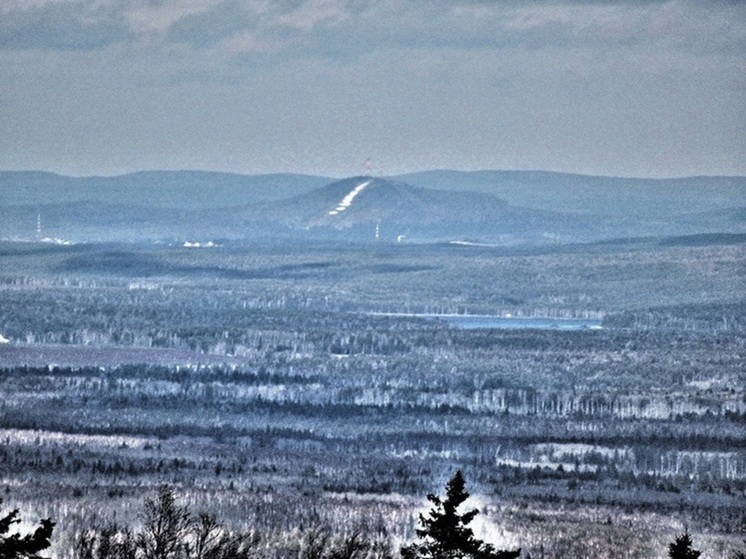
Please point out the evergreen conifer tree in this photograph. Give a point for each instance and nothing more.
(15, 546)
(445, 534)
(681, 548)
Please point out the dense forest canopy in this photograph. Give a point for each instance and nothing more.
(311, 392)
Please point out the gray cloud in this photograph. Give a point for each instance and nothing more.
(349, 28)
(62, 26)
(209, 27)
(500, 25)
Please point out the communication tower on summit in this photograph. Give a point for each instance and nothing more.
(369, 167)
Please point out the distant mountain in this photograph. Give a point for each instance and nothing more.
(506, 208)
(612, 196)
(361, 200)
(94, 222)
(362, 208)
(183, 190)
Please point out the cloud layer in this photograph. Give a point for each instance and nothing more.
(325, 26)
(629, 87)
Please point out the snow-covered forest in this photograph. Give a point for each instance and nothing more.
(284, 390)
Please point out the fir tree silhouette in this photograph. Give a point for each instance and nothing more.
(15, 546)
(445, 534)
(681, 548)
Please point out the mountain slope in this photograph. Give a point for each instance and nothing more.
(361, 207)
(368, 200)
(613, 196)
(183, 190)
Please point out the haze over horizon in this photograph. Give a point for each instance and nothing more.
(633, 88)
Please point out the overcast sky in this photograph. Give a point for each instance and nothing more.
(630, 88)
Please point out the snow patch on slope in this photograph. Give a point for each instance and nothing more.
(347, 200)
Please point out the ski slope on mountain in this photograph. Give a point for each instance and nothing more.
(347, 200)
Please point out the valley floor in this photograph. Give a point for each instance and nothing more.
(287, 388)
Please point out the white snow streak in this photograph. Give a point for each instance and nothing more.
(347, 200)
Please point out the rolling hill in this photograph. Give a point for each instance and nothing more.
(611, 196)
(183, 190)
(506, 208)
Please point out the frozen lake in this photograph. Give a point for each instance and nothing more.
(474, 322)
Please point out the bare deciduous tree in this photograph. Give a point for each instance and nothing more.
(165, 526)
